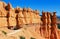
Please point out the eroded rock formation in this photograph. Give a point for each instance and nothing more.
(49, 25)
(20, 17)
(54, 33)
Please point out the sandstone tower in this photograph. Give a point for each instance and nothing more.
(49, 24)
(54, 33)
(44, 25)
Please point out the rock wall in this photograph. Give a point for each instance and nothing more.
(10, 16)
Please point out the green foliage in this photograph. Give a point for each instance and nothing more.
(59, 26)
(32, 38)
(21, 37)
(4, 32)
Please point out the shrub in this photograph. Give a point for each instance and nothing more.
(21, 37)
(4, 32)
(32, 38)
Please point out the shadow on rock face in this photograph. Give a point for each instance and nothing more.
(13, 28)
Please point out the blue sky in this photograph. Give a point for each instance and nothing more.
(45, 5)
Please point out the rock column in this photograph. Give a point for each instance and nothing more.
(49, 24)
(20, 18)
(11, 17)
(25, 16)
(44, 25)
(3, 15)
(28, 16)
(54, 32)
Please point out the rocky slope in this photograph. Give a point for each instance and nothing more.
(26, 32)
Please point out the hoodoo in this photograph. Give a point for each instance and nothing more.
(28, 22)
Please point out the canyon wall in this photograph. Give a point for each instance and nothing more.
(18, 17)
